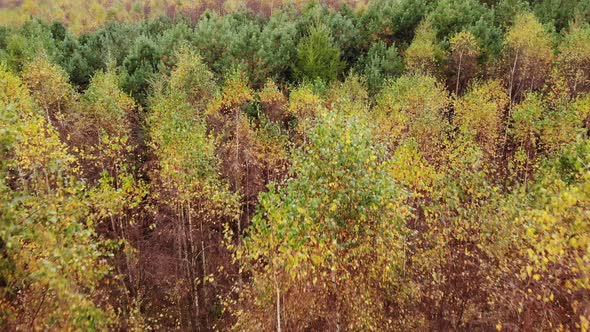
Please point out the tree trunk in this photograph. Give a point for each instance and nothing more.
(458, 74)
(278, 305)
(512, 78)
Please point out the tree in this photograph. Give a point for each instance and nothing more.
(464, 54)
(547, 267)
(52, 261)
(317, 57)
(413, 106)
(308, 239)
(528, 55)
(507, 10)
(28, 42)
(231, 42)
(50, 87)
(106, 107)
(479, 116)
(390, 21)
(304, 105)
(344, 27)
(564, 121)
(277, 47)
(196, 201)
(273, 101)
(451, 17)
(110, 44)
(240, 145)
(560, 14)
(451, 274)
(379, 63)
(350, 96)
(220, 168)
(424, 53)
(192, 78)
(141, 66)
(525, 131)
(573, 60)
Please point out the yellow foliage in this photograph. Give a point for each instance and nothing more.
(413, 106)
(424, 54)
(49, 86)
(273, 101)
(47, 227)
(574, 58)
(528, 39)
(479, 115)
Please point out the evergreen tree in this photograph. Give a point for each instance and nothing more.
(317, 57)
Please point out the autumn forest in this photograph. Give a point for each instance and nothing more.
(387, 165)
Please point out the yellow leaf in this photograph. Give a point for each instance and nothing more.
(529, 270)
(316, 259)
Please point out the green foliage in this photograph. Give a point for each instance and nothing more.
(507, 10)
(574, 58)
(317, 57)
(528, 54)
(379, 63)
(192, 78)
(560, 14)
(229, 42)
(52, 261)
(277, 47)
(177, 165)
(424, 54)
(413, 106)
(111, 43)
(390, 20)
(340, 208)
(344, 27)
(141, 66)
(34, 38)
(450, 17)
(478, 115)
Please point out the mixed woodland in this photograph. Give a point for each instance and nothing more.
(387, 165)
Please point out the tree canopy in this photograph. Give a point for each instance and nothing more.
(387, 165)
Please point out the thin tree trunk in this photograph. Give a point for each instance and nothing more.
(459, 74)
(127, 263)
(510, 94)
(125, 287)
(236, 180)
(512, 77)
(178, 269)
(278, 291)
(338, 318)
(48, 117)
(31, 325)
(192, 297)
(204, 274)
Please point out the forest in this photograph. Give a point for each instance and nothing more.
(386, 165)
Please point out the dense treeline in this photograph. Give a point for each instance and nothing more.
(400, 165)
